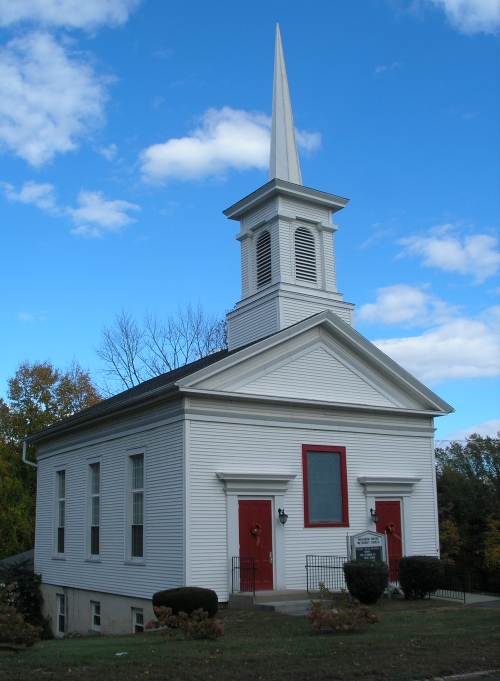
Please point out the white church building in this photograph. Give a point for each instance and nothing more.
(174, 481)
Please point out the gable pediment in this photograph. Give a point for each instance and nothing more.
(313, 362)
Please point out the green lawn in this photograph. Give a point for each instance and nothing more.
(416, 640)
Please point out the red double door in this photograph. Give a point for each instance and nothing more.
(390, 524)
(256, 539)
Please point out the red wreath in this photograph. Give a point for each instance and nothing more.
(391, 528)
(256, 530)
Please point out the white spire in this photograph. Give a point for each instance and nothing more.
(284, 163)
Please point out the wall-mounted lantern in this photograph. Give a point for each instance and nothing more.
(374, 516)
(282, 516)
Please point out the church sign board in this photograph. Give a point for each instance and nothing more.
(369, 546)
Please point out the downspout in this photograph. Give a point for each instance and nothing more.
(30, 463)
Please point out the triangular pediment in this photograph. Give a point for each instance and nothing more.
(318, 360)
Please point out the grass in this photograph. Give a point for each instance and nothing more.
(416, 640)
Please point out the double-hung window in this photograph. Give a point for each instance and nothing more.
(137, 506)
(137, 620)
(61, 614)
(325, 486)
(60, 510)
(96, 615)
(94, 508)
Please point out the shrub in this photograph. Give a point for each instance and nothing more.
(365, 580)
(197, 625)
(27, 587)
(419, 576)
(13, 628)
(187, 599)
(335, 613)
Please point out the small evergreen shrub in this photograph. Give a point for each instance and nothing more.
(197, 625)
(187, 599)
(366, 580)
(419, 576)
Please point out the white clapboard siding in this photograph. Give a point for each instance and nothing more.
(318, 376)
(302, 209)
(252, 324)
(295, 310)
(245, 268)
(330, 282)
(260, 449)
(264, 213)
(164, 516)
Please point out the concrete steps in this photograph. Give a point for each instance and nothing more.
(290, 600)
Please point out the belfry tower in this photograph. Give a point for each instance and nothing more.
(286, 237)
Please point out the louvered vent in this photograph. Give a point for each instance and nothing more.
(263, 259)
(305, 255)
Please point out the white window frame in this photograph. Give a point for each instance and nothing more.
(61, 614)
(95, 615)
(92, 496)
(60, 514)
(137, 620)
(132, 495)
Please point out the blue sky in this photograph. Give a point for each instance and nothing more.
(127, 126)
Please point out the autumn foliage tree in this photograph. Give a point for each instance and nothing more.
(38, 395)
(468, 482)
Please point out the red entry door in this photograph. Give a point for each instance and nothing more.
(390, 524)
(256, 539)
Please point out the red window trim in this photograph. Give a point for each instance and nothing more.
(343, 477)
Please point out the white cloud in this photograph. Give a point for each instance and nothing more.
(225, 139)
(485, 429)
(41, 195)
(308, 141)
(383, 69)
(26, 316)
(87, 14)
(96, 215)
(457, 349)
(472, 16)
(49, 100)
(406, 305)
(109, 152)
(476, 255)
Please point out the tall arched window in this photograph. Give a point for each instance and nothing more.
(305, 255)
(263, 251)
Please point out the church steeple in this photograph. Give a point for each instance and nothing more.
(284, 161)
(286, 236)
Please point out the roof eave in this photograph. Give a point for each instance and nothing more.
(79, 420)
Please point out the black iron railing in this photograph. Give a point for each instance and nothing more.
(243, 574)
(325, 569)
(453, 582)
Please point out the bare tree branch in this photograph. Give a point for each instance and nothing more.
(133, 353)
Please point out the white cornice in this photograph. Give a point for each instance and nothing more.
(255, 483)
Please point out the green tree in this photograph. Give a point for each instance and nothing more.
(468, 481)
(37, 396)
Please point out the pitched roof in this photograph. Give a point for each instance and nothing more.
(143, 390)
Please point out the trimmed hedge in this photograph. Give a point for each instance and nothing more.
(187, 599)
(366, 580)
(420, 576)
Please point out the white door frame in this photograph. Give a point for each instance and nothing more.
(271, 486)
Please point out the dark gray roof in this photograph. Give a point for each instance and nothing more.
(19, 558)
(151, 386)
